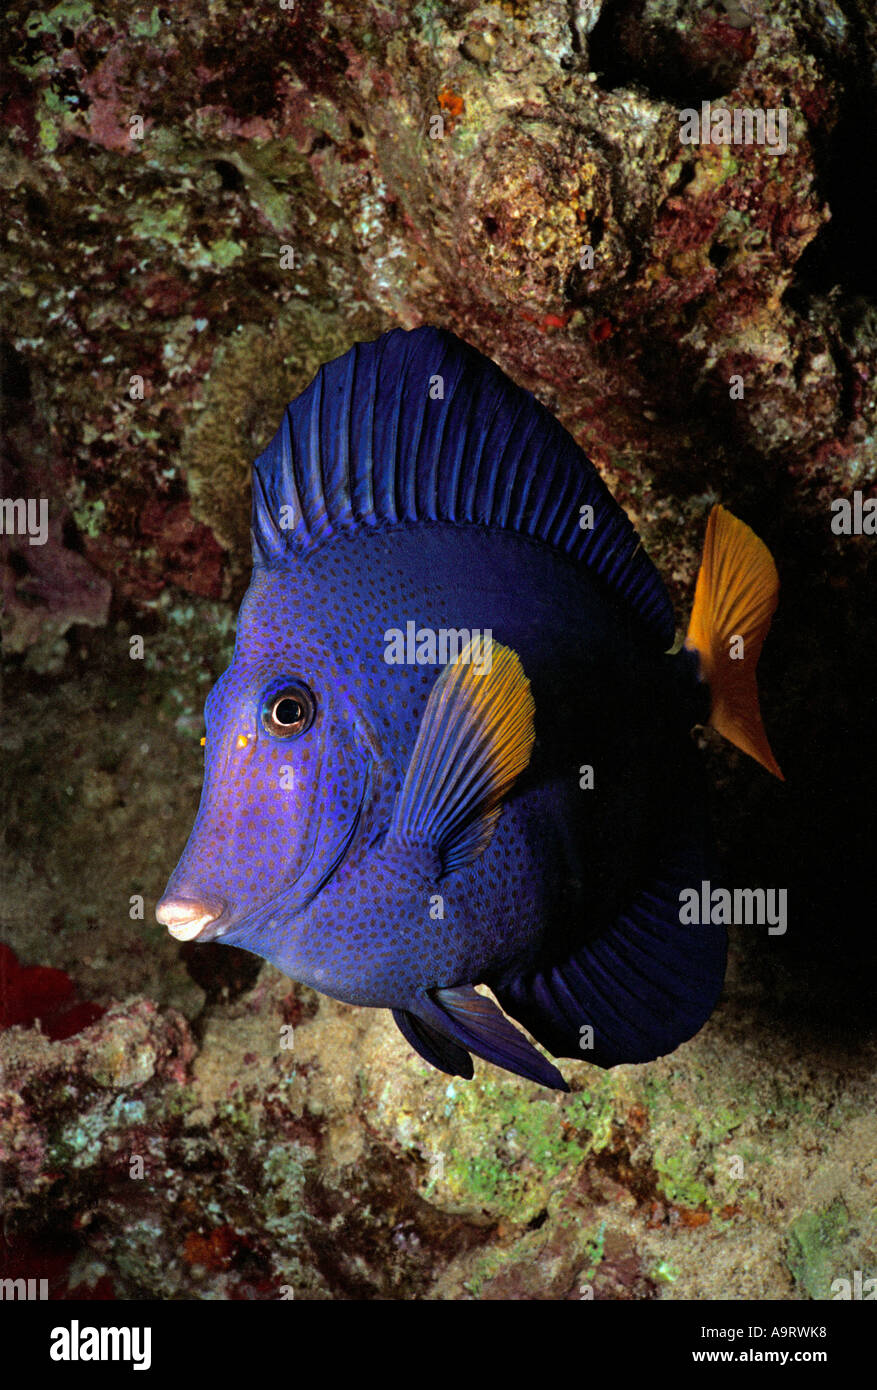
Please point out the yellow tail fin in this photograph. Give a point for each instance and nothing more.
(734, 602)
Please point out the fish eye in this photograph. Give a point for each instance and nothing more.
(289, 712)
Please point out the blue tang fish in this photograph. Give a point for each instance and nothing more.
(453, 747)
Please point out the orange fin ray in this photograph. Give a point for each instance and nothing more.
(734, 601)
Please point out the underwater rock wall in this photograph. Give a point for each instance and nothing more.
(202, 205)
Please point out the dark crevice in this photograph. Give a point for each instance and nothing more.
(246, 86)
(71, 535)
(17, 564)
(66, 86)
(574, 36)
(15, 384)
(848, 377)
(230, 174)
(574, 59)
(842, 253)
(686, 175)
(683, 65)
(223, 972)
(36, 208)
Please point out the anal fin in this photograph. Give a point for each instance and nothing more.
(433, 1046)
(475, 1022)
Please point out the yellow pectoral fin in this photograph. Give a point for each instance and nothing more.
(474, 740)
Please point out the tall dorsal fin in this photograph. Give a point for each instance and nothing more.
(418, 426)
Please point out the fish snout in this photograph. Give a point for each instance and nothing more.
(186, 918)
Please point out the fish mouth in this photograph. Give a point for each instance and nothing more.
(194, 916)
(188, 918)
(298, 896)
(187, 931)
(211, 929)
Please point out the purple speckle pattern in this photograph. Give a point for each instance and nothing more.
(460, 515)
